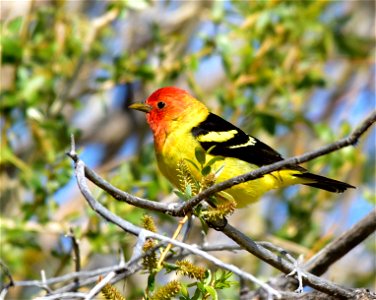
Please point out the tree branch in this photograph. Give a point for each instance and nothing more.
(76, 254)
(126, 197)
(339, 247)
(319, 263)
(11, 282)
(286, 267)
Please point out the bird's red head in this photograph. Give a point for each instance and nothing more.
(167, 105)
(168, 108)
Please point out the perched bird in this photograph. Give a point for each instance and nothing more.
(180, 123)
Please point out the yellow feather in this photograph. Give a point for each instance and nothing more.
(251, 141)
(217, 136)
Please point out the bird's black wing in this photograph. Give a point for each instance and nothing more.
(220, 137)
(225, 139)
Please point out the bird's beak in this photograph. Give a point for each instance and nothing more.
(141, 107)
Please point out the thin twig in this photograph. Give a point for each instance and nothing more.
(88, 277)
(169, 246)
(70, 276)
(44, 280)
(6, 287)
(222, 247)
(128, 198)
(118, 268)
(66, 295)
(340, 246)
(336, 249)
(286, 267)
(76, 255)
(99, 286)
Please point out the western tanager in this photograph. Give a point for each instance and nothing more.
(181, 124)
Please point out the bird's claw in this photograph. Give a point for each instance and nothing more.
(298, 272)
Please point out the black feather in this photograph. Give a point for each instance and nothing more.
(324, 183)
(258, 154)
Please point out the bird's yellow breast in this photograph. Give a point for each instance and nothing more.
(180, 145)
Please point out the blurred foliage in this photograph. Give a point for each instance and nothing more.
(297, 74)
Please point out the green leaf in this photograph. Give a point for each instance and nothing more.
(208, 276)
(33, 87)
(263, 20)
(151, 282)
(206, 170)
(214, 160)
(14, 26)
(146, 72)
(137, 5)
(200, 155)
(268, 122)
(192, 163)
(11, 49)
(170, 267)
(197, 294)
(194, 63)
(218, 11)
(213, 293)
(184, 292)
(223, 281)
(201, 287)
(35, 114)
(188, 191)
(180, 194)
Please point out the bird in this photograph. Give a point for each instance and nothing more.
(181, 124)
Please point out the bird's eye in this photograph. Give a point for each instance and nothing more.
(161, 104)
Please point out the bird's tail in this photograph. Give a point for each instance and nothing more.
(325, 183)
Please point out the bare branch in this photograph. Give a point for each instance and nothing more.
(76, 254)
(67, 295)
(6, 287)
(339, 247)
(44, 280)
(126, 197)
(286, 267)
(73, 275)
(99, 286)
(336, 249)
(110, 276)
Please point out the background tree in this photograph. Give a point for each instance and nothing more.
(297, 74)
